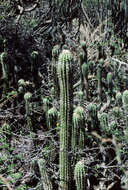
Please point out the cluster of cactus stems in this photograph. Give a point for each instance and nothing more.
(5, 71)
(65, 74)
(27, 98)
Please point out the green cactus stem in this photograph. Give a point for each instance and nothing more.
(110, 83)
(52, 118)
(84, 68)
(55, 55)
(125, 106)
(45, 179)
(5, 72)
(34, 68)
(85, 79)
(65, 75)
(27, 98)
(99, 78)
(119, 99)
(104, 122)
(46, 107)
(93, 118)
(80, 96)
(78, 129)
(80, 175)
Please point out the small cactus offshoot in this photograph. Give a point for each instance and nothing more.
(27, 98)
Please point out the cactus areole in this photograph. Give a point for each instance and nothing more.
(66, 94)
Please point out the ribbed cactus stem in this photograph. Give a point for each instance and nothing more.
(85, 78)
(125, 106)
(34, 67)
(92, 109)
(27, 98)
(119, 99)
(104, 122)
(52, 118)
(80, 175)
(45, 179)
(99, 78)
(55, 55)
(78, 126)
(5, 72)
(84, 68)
(66, 97)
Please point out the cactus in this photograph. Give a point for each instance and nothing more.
(99, 78)
(84, 68)
(85, 78)
(78, 129)
(27, 98)
(80, 175)
(80, 96)
(93, 118)
(119, 99)
(55, 54)
(125, 106)
(34, 67)
(5, 71)
(46, 107)
(52, 118)
(104, 122)
(65, 75)
(45, 179)
(110, 83)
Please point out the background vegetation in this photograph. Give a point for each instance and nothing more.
(63, 95)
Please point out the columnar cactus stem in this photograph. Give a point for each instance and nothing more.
(34, 67)
(110, 84)
(52, 118)
(99, 78)
(119, 99)
(66, 96)
(85, 78)
(27, 98)
(46, 182)
(84, 69)
(80, 175)
(104, 123)
(78, 128)
(55, 54)
(5, 71)
(125, 106)
(93, 118)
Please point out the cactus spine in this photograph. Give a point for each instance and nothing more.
(5, 71)
(80, 175)
(27, 98)
(66, 95)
